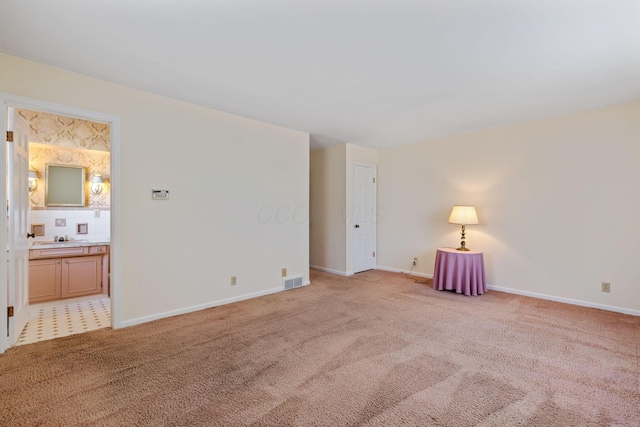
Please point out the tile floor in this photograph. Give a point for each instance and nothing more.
(61, 318)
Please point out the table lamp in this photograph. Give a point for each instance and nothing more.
(463, 215)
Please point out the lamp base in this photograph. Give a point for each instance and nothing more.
(463, 242)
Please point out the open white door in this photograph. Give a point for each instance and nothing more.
(364, 227)
(18, 199)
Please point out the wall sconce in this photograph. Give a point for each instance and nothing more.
(33, 180)
(463, 215)
(96, 183)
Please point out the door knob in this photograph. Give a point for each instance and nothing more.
(357, 226)
(31, 235)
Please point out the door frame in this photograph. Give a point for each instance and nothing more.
(115, 257)
(350, 221)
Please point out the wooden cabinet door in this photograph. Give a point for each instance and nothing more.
(44, 280)
(81, 276)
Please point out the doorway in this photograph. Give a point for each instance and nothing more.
(79, 149)
(6, 298)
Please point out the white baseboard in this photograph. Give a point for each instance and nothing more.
(397, 270)
(532, 294)
(328, 270)
(198, 307)
(566, 300)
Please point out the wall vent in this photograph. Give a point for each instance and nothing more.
(292, 282)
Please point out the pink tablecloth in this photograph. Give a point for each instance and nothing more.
(459, 271)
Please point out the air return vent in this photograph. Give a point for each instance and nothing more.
(292, 282)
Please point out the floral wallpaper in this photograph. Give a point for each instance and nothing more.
(63, 131)
(94, 162)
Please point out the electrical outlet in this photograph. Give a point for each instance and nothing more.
(284, 272)
(606, 287)
(415, 261)
(234, 280)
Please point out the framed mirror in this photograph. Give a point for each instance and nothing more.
(64, 185)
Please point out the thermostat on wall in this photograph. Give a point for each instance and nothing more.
(160, 194)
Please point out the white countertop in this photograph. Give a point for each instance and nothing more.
(69, 244)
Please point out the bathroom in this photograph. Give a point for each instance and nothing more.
(82, 147)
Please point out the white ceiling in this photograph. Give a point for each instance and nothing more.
(376, 73)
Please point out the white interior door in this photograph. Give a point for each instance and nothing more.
(18, 197)
(364, 227)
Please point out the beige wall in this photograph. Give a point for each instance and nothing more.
(327, 209)
(557, 202)
(225, 173)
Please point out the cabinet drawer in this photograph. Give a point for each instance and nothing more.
(98, 250)
(58, 252)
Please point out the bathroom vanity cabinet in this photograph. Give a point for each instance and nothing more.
(67, 272)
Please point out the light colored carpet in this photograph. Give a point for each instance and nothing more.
(374, 349)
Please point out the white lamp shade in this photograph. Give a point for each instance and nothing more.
(33, 174)
(463, 215)
(97, 179)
